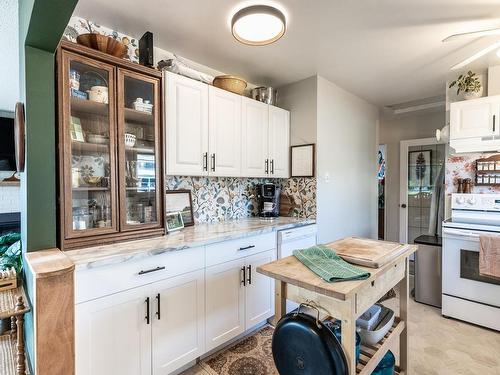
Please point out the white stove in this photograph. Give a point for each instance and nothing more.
(467, 295)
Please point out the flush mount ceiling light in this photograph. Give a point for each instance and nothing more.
(258, 25)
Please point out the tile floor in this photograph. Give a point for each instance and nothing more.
(440, 346)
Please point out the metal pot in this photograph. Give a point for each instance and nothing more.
(267, 95)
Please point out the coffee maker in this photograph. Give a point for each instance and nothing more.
(268, 196)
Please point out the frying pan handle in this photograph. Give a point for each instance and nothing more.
(311, 307)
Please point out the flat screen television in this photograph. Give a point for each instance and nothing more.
(7, 148)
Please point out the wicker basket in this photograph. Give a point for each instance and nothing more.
(230, 83)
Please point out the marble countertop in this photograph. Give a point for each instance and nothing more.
(195, 236)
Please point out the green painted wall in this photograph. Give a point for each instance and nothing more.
(41, 25)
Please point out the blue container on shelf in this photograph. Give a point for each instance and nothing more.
(386, 365)
(334, 326)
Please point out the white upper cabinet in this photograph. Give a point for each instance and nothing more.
(255, 138)
(186, 126)
(279, 142)
(475, 118)
(224, 131)
(213, 132)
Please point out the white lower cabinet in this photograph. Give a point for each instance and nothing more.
(112, 335)
(225, 302)
(259, 291)
(153, 329)
(237, 297)
(172, 308)
(178, 322)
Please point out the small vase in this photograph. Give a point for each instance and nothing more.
(468, 95)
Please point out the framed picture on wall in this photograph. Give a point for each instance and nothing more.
(420, 170)
(302, 160)
(180, 201)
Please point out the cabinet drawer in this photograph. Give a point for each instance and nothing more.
(106, 280)
(235, 249)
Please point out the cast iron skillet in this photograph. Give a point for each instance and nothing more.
(303, 345)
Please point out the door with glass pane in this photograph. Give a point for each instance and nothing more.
(88, 147)
(139, 150)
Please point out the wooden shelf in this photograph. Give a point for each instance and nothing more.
(91, 188)
(88, 106)
(488, 172)
(89, 147)
(138, 116)
(372, 355)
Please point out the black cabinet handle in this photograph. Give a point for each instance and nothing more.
(151, 270)
(494, 123)
(244, 281)
(147, 310)
(267, 166)
(158, 304)
(246, 247)
(205, 161)
(272, 166)
(249, 274)
(213, 162)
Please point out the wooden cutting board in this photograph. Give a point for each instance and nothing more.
(366, 252)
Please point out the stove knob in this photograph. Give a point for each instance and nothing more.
(460, 200)
(471, 201)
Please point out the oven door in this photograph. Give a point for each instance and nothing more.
(461, 276)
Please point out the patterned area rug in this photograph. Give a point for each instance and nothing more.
(250, 356)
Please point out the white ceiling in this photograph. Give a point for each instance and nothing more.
(385, 51)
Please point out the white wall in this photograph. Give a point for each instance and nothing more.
(392, 130)
(9, 56)
(346, 164)
(300, 98)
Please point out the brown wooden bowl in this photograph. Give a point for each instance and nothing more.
(103, 43)
(230, 83)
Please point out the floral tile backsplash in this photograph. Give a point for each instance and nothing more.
(78, 25)
(225, 198)
(464, 166)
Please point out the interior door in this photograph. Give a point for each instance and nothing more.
(474, 118)
(186, 116)
(279, 142)
(178, 315)
(113, 336)
(224, 132)
(259, 293)
(255, 123)
(225, 302)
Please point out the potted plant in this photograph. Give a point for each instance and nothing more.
(469, 84)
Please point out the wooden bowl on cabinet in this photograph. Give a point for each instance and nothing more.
(103, 43)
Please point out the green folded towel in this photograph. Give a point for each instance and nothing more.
(325, 263)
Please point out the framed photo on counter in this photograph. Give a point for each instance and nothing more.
(180, 201)
(174, 221)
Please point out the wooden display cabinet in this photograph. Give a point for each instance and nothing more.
(109, 153)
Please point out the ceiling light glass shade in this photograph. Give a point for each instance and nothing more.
(258, 25)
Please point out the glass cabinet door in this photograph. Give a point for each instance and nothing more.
(139, 147)
(88, 154)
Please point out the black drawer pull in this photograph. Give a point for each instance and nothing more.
(151, 270)
(246, 247)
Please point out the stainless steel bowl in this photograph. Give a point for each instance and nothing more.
(267, 95)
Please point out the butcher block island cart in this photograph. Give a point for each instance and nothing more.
(348, 300)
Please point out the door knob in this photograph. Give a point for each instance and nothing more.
(403, 205)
